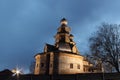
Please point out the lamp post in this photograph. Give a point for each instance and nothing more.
(119, 62)
(103, 71)
(17, 72)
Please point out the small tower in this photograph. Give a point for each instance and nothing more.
(63, 38)
(63, 21)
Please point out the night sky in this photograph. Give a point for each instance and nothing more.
(26, 25)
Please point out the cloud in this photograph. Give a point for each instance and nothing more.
(26, 25)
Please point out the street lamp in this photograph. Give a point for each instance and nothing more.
(16, 72)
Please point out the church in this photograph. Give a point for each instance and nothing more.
(63, 57)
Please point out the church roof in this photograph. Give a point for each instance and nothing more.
(50, 48)
(6, 72)
(63, 19)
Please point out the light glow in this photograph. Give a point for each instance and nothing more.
(17, 71)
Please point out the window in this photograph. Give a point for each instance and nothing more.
(50, 65)
(78, 66)
(42, 64)
(36, 65)
(71, 65)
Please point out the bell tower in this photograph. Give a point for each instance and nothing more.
(63, 38)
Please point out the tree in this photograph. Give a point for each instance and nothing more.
(105, 44)
(97, 63)
(31, 67)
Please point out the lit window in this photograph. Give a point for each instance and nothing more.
(71, 65)
(78, 66)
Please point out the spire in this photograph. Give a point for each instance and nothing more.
(63, 38)
(63, 21)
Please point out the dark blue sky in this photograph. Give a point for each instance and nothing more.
(26, 25)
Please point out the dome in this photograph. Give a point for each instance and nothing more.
(63, 21)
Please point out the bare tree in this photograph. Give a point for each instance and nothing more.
(105, 44)
(31, 67)
(97, 63)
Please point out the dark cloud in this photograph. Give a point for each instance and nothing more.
(26, 25)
